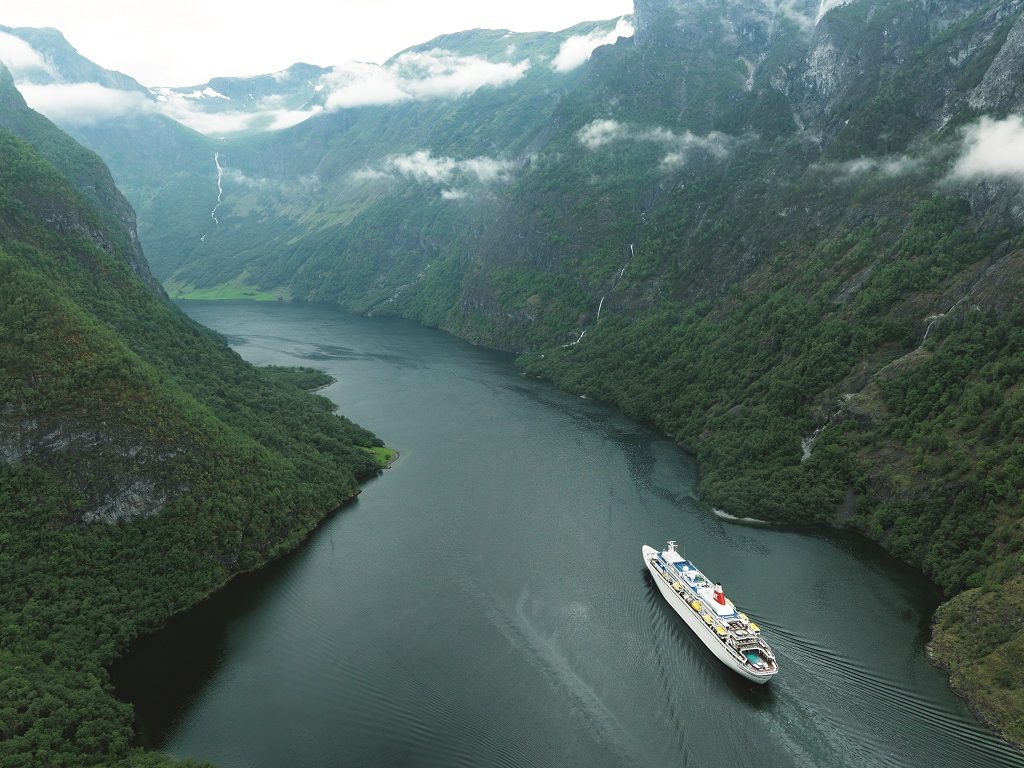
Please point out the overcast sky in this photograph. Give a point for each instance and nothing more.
(185, 42)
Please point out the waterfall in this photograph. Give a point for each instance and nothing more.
(220, 189)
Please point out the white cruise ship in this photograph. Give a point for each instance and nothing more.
(730, 635)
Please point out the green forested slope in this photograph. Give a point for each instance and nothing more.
(142, 462)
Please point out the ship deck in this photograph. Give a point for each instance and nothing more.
(740, 636)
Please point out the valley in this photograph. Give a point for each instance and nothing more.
(787, 235)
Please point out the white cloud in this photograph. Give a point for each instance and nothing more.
(90, 103)
(440, 73)
(423, 167)
(83, 103)
(359, 85)
(264, 118)
(891, 165)
(370, 174)
(993, 148)
(600, 133)
(487, 169)
(828, 5)
(576, 50)
(20, 57)
(417, 76)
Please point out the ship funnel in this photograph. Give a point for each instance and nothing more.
(719, 594)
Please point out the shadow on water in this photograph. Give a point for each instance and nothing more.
(163, 673)
(634, 438)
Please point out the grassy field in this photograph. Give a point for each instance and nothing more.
(384, 456)
(222, 292)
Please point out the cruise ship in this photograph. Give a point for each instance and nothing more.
(730, 635)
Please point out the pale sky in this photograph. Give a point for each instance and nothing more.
(186, 42)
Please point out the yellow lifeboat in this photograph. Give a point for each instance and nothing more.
(677, 586)
(753, 627)
(695, 605)
(720, 631)
(707, 619)
(744, 618)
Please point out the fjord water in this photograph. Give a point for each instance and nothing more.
(484, 602)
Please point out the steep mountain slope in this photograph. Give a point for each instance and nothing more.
(788, 233)
(142, 463)
(152, 156)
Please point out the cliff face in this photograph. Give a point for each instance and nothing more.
(742, 18)
(865, 46)
(1001, 90)
(90, 176)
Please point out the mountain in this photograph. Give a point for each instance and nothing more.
(294, 88)
(142, 462)
(151, 155)
(787, 233)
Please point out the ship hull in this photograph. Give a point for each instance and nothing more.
(697, 625)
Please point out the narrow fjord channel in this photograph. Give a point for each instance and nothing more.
(484, 602)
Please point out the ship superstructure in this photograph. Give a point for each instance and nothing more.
(730, 634)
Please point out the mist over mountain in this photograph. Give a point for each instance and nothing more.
(787, 233)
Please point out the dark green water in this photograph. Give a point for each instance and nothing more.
(484, 602)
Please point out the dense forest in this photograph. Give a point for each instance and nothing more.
(143, 462)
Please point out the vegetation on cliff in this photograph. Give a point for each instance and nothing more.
(142, 462)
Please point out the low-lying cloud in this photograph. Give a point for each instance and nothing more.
(828, 5)
(78, 104)
(600, 133)
(992, 148)
(891, 165)
(84, 103)
(576, 50)
(417, 76)
(224, 123)
(20, 57)
(425, 168)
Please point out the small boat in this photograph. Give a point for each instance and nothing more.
(730, 634)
